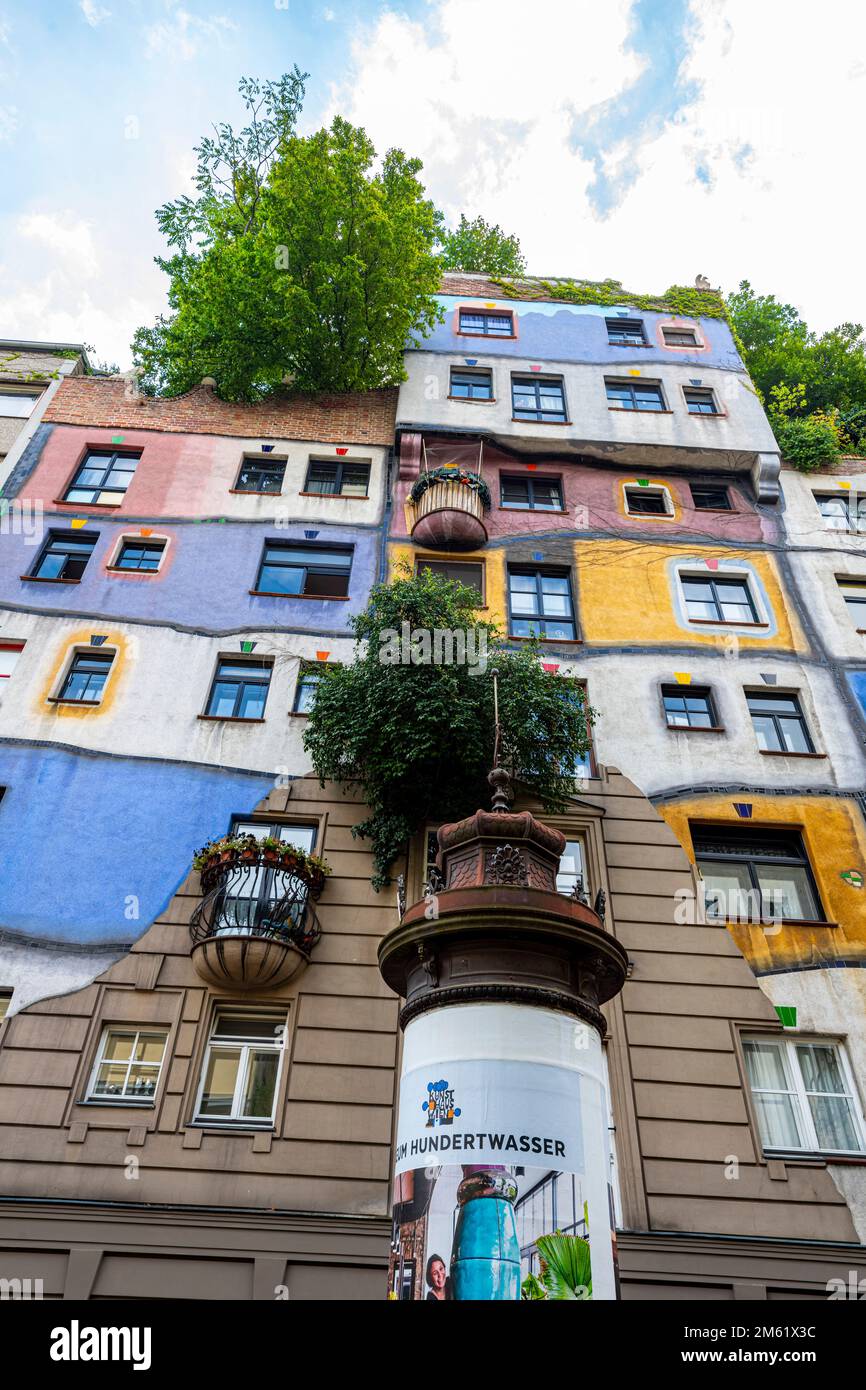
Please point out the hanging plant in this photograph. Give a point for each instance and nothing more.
(474, 481)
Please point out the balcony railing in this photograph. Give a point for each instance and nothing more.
(255, 926)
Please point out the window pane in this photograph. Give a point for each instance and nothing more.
(261, 1081)
(17, 405)
(570, 866)
(222, 701)
(834, 1122)
(110, 1080)
(142, 1082)
(150, 1047)
(281, 579)
(795, 737)
(778, 1120)
(220, 1079)
(118, 1047)
(252, 701)
(728, 892)
(766, 733)
(787, 892)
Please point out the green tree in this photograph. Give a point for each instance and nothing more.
(480, 247)
(295, 261)
(418, 739)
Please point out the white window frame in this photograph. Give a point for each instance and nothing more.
(236, 1120)
(33, 396)
(130, 538)
(10, 653)
(803, 1112)
(853, 525)
(747, 577)
(128, 1031)
(574, 838)
(669, 512)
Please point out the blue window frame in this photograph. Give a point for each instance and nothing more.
(290, 567)
(102, 479)
(143, 556)
(487, 325)
(64, 556)
(538, 398)
(540, 604)
(240, 689)
(635, 395)
(626, 332)
(471, 386)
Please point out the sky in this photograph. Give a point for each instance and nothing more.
(644, 140)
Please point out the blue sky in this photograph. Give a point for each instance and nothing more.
(648, 140)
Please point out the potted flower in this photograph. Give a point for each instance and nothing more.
(249, 849)
(271, 849)
(317, 870)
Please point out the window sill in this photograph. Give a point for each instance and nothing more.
(233, 1126)
(121, 569)
(696, 728)
(519, 420)
(650, 516)
(310, 598)
(722, 511)
(299, 714)
(58, 700)
(228, 719)
(549, 641)
(103, 506)
(253, 492)
(812, 1156)
(612, 342)
(723, 622)
(638, 410)
(121, 1103)
(707, 414)
(785, 922)
(783, 753)
(337, 496)
(43, 579)
(473, 400)
(488, 337)
(537, 511)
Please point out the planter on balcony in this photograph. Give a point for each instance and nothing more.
(445, 510)
(255, 927)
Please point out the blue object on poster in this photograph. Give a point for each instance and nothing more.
(485, 1260)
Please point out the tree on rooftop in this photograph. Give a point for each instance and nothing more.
(479, 247)
(294, 261)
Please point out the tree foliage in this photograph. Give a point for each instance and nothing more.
(418, 739)
(782, 355)
(294, 262)
(481, 247)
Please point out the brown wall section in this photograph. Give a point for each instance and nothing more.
(306, 1205)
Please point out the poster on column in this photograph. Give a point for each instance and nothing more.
(494, 1152)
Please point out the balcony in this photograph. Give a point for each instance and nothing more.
(255, 927)
(445, 509)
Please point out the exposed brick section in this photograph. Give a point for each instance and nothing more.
(363, 417)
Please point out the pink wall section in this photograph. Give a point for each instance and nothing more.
(592, 495)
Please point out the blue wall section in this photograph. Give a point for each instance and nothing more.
(80, 834)
(858, 685)
(208, 574)
(577, 333)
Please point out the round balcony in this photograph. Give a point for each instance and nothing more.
(255, 927)
(446, 511)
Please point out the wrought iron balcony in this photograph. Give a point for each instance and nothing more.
(255, 927)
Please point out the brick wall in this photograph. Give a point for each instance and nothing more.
(363, 417)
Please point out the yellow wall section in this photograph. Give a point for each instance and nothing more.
(80, 638)
(625, 595)
(494, 573)
(835, 839)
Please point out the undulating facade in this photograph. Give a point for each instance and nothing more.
(197, 1105)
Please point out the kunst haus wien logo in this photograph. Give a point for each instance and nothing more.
(439, 1106)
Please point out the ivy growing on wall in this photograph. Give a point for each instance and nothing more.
(683, 300)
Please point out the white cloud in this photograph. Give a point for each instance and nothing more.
(64, 237)
(182, 34)
(8, 122)
(772, 121)
(328, 15)
(93, 13)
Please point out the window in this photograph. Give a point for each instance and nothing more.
(635, 395)
(127, 1067)
(854, 593)
(242, 1069)
(261, 474)
(804, 1095)
(289, 567)
(540, 604)
(9, 654)
(471, 386)
(842, 512)
(571, 868)
(328, 479)
(305, 690)
(259, 890)
(625, 332)
(64, 556)
(18, 403)
(718, 600)
(86, 677)
(755, 875)
(143, 556)
(486, 325)
(538, 398)
(680, 337)
(102, 479)
(5, 1001)
(778, 722)
(689, 707)
(240, 689)
(537, 494)
(700, 400)
(709, 497)
(460, 571)
(647, 501)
